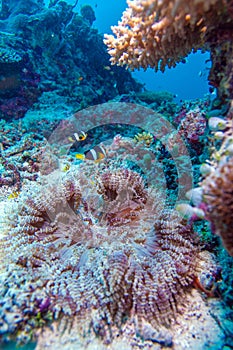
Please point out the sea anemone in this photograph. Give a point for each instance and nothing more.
(124, 194)
(97, 245)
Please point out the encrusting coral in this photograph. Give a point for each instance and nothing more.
(65, 251)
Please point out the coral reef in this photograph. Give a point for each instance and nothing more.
(217, 185)
(54, 50)
(159, 34)
(95, 243)
(93, 253)
(212, 200)
(193, 125)
(88, 13)
(217, 194)
(19, 84)
(147, 30)
(221, 73)
(214, 194)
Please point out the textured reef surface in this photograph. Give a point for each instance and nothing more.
(86, 246)
(94, 250)
(54, 50)
(115, 202)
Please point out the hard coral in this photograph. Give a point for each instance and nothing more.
(218, 195)
(64, 255)
(160, 33)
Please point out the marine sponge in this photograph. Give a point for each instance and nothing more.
(160, 33)
(218, 196)
(63, 256)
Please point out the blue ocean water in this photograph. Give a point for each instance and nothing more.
(186, 81)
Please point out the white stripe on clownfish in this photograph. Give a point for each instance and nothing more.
(95, 154)
(81, 136)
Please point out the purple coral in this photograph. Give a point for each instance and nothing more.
(65, 255)
(193, 125)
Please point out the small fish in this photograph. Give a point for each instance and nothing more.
(107, 68)
(70, 139)
(81, 136)
(14, 195)
(79, 80)
(95, 154)
(66, 167)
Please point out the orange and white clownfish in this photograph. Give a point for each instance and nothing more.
(80, 136)
(95, 154)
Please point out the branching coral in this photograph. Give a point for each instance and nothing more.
(144, 137)
(65, 255)
(161, 33)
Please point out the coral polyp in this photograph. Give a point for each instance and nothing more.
(101, 248)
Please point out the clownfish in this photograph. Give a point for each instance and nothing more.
(81, 136)
(95, 154)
